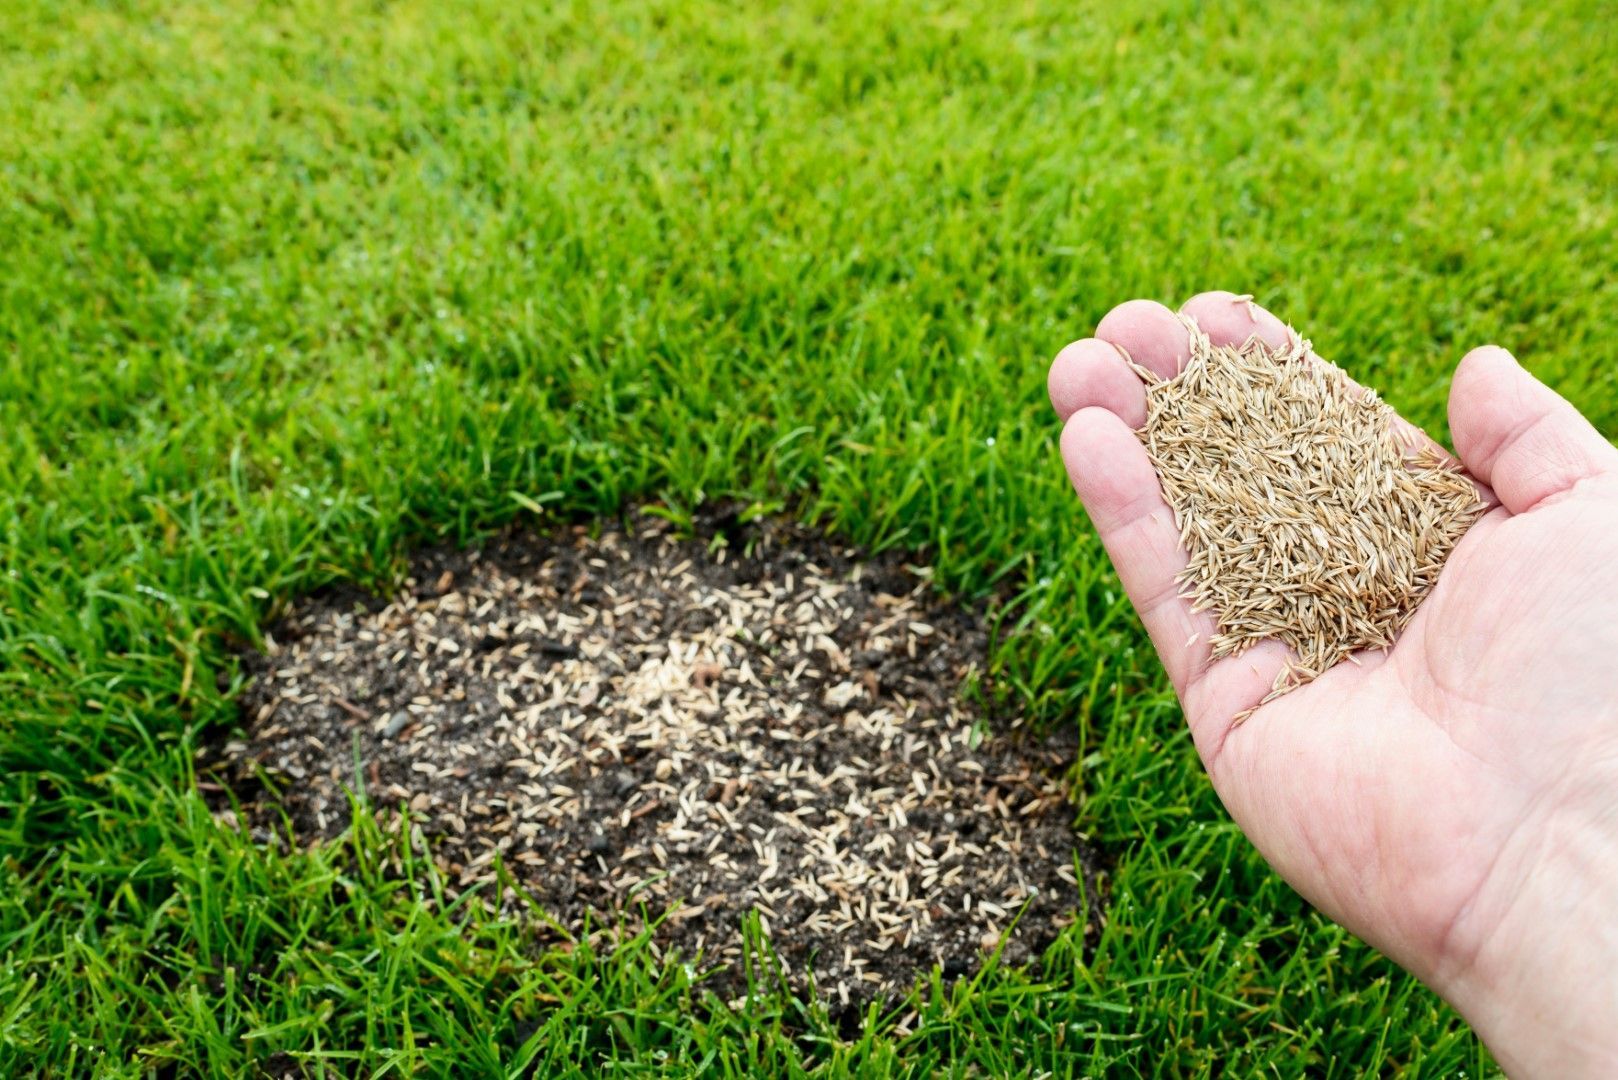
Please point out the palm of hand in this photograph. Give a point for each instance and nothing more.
(1431, 797)
(1408, 797)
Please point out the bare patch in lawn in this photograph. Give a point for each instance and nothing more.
(754, 719)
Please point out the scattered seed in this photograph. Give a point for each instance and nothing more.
(625, 720)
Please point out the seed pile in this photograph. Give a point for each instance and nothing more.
(767, 726)
(1307, 516)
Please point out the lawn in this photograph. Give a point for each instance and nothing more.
(290, 289)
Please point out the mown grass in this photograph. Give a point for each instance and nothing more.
(290, 288)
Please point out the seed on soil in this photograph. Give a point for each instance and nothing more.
(1310, 516)
(631, 719)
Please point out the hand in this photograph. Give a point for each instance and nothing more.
(1453, 801)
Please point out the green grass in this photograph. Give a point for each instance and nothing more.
(286, 289)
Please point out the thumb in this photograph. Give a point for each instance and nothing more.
(1517, 435)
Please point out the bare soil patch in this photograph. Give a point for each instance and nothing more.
(754, 719)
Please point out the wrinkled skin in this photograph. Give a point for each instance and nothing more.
(1455, 801)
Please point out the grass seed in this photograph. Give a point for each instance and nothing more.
(1309, 514)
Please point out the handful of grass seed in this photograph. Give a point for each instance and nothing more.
(1308, 515)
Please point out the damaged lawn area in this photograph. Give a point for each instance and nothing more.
(752, 721)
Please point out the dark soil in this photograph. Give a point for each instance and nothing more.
(756, 719)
